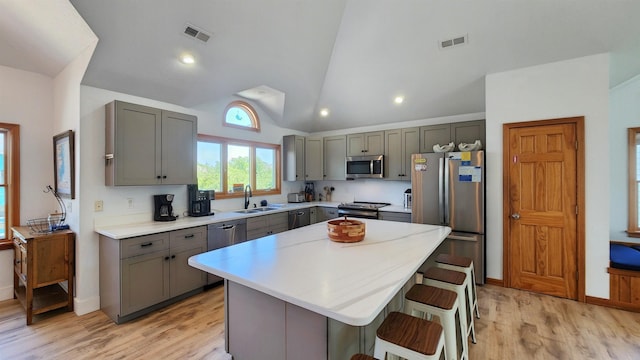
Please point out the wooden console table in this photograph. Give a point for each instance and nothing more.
(41, 263)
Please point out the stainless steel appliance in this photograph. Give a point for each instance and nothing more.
(295, 197)
(299, 218)
(448, 189)
(199, 200)
(360, 209)
(222, 235)
(370, 166)
(163, 208)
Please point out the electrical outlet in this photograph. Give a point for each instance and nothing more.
(130, 203)
(98, 205)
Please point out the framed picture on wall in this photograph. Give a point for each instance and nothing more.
(63, 161)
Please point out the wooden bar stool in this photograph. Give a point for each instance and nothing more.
(442, 303)
(464, 264)
(455, 281)
(409, 337)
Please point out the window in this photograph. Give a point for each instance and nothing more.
(228, 165)
(240, 114)
(634, 182)
(9, 182)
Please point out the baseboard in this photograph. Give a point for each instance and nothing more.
(6, 293)
(612, 304)
(85, 306)
(496, 282)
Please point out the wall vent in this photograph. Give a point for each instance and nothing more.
(456, 41)
(197, 33)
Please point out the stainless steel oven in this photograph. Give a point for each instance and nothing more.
(360, 209)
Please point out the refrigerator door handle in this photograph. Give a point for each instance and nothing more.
(444, 190)
(463, 238)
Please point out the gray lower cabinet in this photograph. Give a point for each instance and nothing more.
(264, 225)
(326, 213)
(394, 216)
(141, 274)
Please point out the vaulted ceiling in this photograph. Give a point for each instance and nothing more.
(295, 57)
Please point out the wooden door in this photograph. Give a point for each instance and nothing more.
(541, 207)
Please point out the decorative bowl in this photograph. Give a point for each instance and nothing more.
(345, 230)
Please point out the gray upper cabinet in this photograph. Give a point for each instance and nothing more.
(313, 155)
(399, 144)
(149, 146)
(443, 134)
(293, 157)
(371, 143)
(468, 132)
(433, 135)
(335, 149)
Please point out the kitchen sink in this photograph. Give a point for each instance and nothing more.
(260, 209)
(255, 210)
(247, 211)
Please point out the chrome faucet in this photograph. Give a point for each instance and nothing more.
(247, 195)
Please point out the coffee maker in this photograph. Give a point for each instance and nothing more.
(199, 201)
(163, 210)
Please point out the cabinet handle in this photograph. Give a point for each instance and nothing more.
(158, 177)
(189, 236)
(166, 258)
(146, 244)
(164, 176)
(17, 262)
(173, 256)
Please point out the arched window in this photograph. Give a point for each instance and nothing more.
(240, 114)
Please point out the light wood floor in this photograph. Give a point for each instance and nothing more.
(513, 325)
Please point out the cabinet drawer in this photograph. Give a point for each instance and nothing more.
(189, 237)
(279, 219)
(258, 222)
(143, 245)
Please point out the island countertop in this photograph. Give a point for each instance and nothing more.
(348, 282)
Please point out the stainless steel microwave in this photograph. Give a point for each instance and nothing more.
(370, 166)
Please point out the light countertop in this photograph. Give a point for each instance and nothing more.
(123, 231)
(348, 282)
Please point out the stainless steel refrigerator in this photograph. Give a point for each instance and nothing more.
(448, 189)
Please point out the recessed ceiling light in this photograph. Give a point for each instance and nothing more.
(187, 59)
(324, 112)
(398, 99)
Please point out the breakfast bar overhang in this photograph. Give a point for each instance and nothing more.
(299, 295)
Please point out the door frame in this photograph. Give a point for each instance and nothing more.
(580, 193)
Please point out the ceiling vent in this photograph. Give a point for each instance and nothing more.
(450, 43)
(195, 32)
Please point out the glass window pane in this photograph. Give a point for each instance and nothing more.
(3, 206)
(238, 167)
(238, 116)
(265, 169)
(209, 166)
(2, 158)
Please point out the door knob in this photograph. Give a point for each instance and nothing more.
(515, 216)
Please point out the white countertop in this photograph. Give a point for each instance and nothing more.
(124, 231)
(348, 282)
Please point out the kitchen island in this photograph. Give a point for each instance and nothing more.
(298, 295)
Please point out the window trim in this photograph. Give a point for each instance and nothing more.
(253, 115)
(253, 144)
(633, 228)
(12, 217)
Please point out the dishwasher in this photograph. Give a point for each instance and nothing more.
(224, 234)
(299, 218)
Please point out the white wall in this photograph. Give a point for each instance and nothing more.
(577, 87)
(26, 99)
(624, 113)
